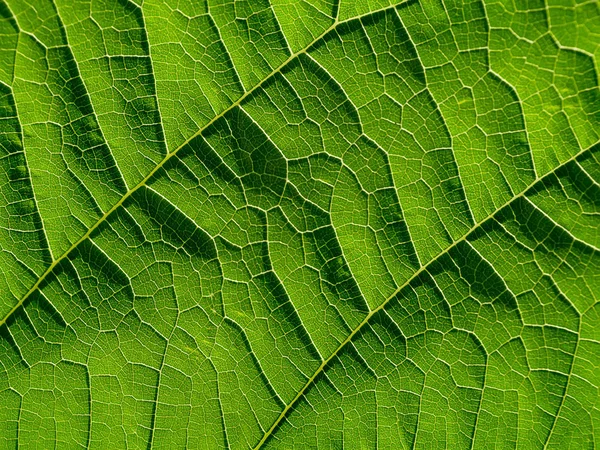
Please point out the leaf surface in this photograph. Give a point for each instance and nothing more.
(299, 224)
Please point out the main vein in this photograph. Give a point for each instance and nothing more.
(128, 194)
(368, 317)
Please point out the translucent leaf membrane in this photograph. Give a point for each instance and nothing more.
(299, 224)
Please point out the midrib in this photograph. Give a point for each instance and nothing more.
(422, 269)
(142, 183)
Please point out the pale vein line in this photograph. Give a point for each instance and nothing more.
(368, 317)
(561, 226)
(61, 25)
(567, 385)
(12, 93)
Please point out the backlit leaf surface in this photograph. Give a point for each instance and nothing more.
(299, 224)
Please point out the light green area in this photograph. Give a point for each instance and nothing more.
(299, 224)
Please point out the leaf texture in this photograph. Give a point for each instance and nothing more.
(299, 224)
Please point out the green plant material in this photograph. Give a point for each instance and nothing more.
(299, 224)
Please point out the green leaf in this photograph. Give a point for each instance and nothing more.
(299, 224)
